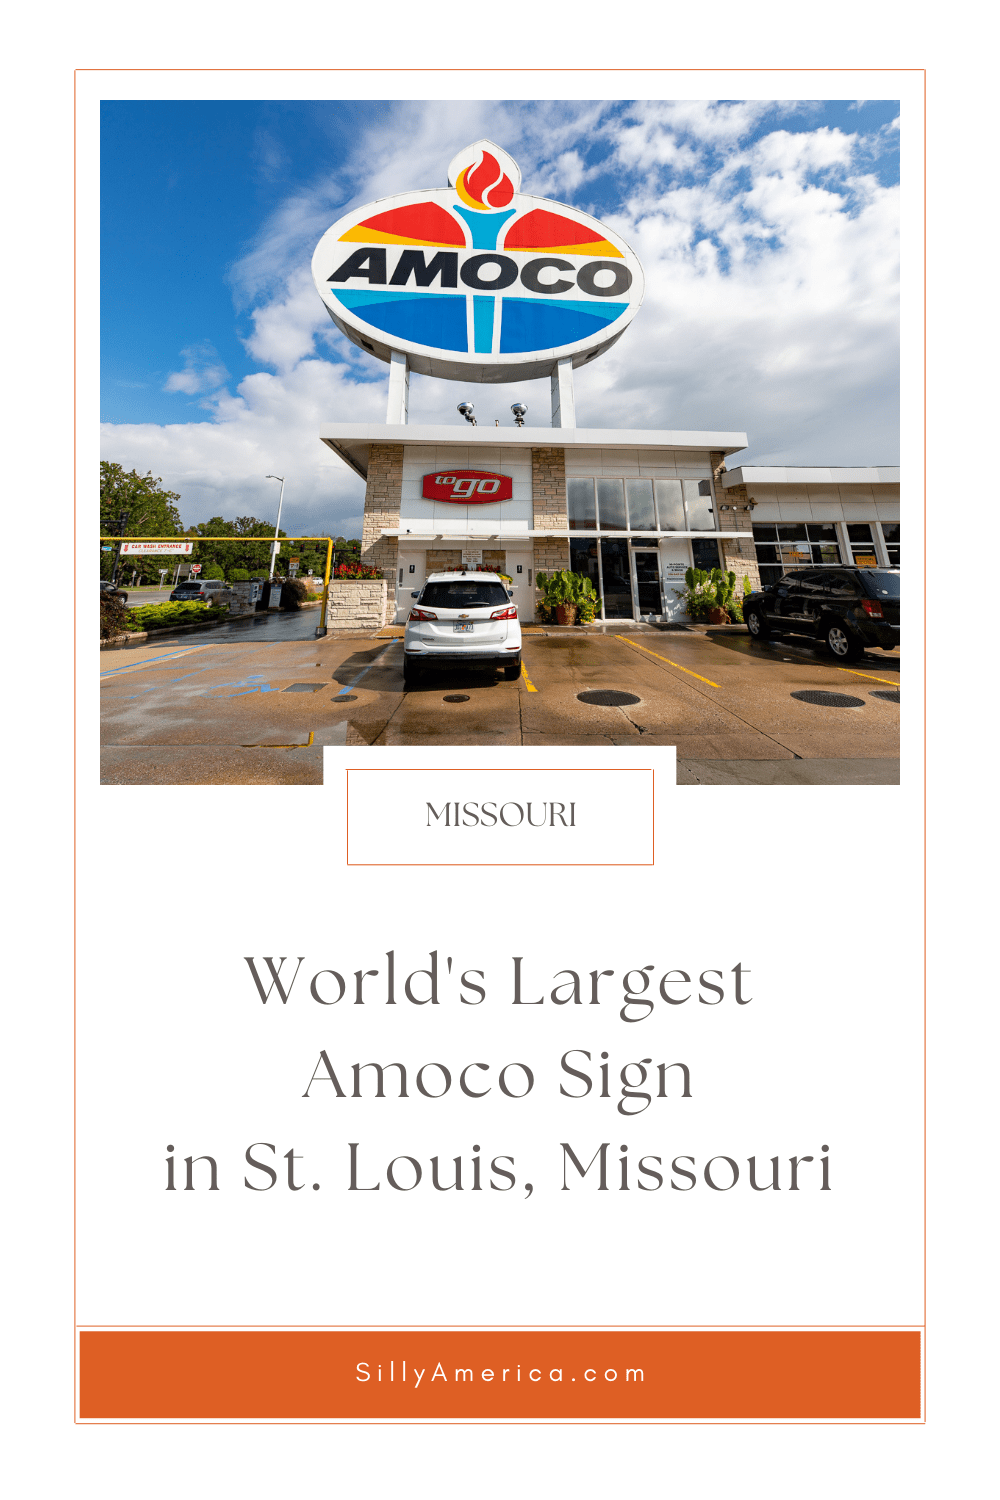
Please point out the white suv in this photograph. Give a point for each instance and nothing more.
(462, 619)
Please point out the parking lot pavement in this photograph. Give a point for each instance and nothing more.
(257, 710)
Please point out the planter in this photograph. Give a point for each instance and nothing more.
(566, 614)
(718, 616)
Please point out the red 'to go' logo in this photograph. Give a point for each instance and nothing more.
(468, 487)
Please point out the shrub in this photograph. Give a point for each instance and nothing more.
(167, 616)
(238, 575)
(292, 593)
(212, 570)
(356, 570)
(115, 616)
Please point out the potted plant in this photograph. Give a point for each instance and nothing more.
(711, 595)
(569, 596)
(557, 595)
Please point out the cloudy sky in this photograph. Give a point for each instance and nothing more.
(768, 233)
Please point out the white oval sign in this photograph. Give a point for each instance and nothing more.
(478, 281)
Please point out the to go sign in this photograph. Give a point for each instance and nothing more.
(468, 487)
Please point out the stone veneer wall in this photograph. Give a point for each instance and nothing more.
(439, 558)
(382, 500)
(739, 557)
(357, 604)
(549, 513)
(495, 559)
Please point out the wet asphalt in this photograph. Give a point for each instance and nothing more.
(254, 701)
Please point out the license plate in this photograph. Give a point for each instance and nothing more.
(460, 626)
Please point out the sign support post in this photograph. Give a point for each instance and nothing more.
(563, 395)
(399, 390)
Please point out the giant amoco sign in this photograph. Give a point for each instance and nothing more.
(478, 281)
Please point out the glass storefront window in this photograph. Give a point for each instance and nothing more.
(705, 553)
(823, 541)
(782, 545)
(640, 505)
(699, 502)
(580, 505)
(617, 580)
(583, 559)
(862, 545)
(611, 505)
(669, 504)
(795, 555)
(641, 514)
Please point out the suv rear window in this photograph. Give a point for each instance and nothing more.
(463, 593)
(886, 584)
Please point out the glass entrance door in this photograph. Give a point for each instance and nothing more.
(647, 583)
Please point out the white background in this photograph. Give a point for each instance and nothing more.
(823, 951)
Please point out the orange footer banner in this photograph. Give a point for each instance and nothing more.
(463, 1375)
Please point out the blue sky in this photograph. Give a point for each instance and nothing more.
(767, 233)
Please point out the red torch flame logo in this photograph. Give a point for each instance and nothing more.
(485, 185)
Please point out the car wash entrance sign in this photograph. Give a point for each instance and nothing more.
(478, 281)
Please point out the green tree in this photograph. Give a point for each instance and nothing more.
(149, 510)
(249, 549)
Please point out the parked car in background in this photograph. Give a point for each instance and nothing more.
(848, 608)
(111, 591)
(200, 590)
(462, 620)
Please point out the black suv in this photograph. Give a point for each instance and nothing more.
(849, 608)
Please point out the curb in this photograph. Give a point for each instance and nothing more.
(136, 637)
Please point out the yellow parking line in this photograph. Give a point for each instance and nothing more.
(809, 662)
(527, 680)
(667, 660)
(887, 680)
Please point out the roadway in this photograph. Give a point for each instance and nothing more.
(255, 701)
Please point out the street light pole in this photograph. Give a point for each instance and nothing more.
(122, 523)
(277, 524)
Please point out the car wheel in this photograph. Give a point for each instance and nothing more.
(841, 643)
(412, 673)
(512, 670)
(757, 625)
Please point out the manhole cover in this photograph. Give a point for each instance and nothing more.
(346, 698)
(303, 687)
(456, 697)
(608, 698)
(892, 696)
(830, 700)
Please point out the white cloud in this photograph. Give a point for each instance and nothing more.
(203, 371)
(771, 302)
(270, 426)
